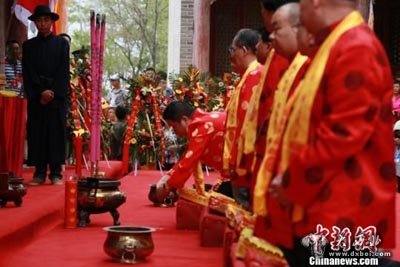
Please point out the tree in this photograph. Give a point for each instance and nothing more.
(136, 34)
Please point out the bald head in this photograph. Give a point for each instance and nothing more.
(290, 12)
(273, 5)
(317, 15)
(285, 22)
(268, 8)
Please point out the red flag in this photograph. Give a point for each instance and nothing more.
(24, 8)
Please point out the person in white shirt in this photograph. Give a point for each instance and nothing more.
(117, 95)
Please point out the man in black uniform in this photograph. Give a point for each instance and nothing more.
(45, 65)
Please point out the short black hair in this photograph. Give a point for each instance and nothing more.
(176, 110)
(162, 74)
(120, 112)
(247, 38)
(273, 5)
(9, 42)
(264, 34)
(150, 69)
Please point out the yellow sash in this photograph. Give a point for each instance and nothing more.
(282, 93)
(248, 134)
(250, 123)
(232, 109)
(199, 179)
(298, 118)
(275, 130)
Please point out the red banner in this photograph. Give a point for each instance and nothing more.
(24, 8)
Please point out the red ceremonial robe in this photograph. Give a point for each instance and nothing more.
(276, 70)
(246, 92)
(206, 143)
(345, 177)
(263, 223)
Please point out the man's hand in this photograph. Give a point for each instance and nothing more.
(162, 193)
(163, 190)
(163, 181)
(46, 97)
(276, 191)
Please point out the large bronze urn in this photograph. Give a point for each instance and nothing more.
(98, 195)
(128, 244)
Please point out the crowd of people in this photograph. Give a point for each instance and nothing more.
(305, 140)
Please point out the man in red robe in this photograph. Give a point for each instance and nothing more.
(340, 167)
(243, 61)
(286, 26)
(205, 134)
(274, 68)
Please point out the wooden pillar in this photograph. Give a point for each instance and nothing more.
(201, 40)
(174, 36)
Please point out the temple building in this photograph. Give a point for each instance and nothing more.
(200, 31)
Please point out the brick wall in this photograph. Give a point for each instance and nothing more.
(187, 27)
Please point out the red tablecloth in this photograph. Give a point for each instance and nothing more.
(12, 134)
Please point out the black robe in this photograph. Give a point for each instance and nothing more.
(45, 65)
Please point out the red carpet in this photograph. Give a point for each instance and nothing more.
(84, 246)
(41, 210)
(33, 235)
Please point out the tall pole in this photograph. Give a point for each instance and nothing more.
(201, 40)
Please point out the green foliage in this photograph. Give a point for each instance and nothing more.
(136, 34)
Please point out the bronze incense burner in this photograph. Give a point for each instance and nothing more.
(11, 189)
(128, 244)
(97, 195)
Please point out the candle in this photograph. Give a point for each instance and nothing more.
(70, 207)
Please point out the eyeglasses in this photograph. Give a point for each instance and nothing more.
(231, 49)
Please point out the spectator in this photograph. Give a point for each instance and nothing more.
(13, 68)
(111, 116)
(166, 92)
(117, 95)
(396, 99)
(118, 133)
(396, 132)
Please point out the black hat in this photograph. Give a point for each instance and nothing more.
(42, 10)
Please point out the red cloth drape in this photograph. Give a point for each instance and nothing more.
(12, 134)
(3, 157)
